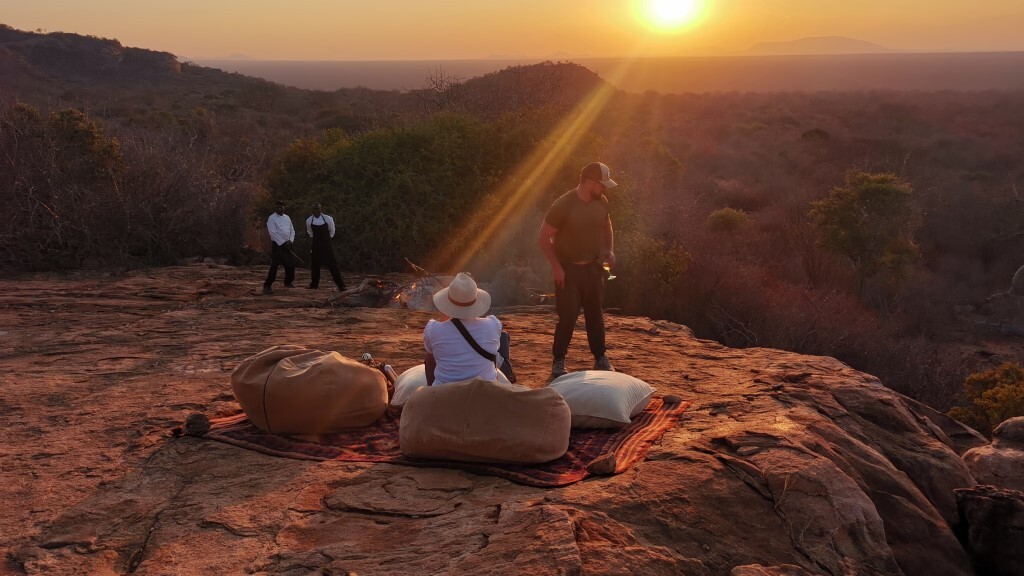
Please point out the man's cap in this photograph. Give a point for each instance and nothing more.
(600, 173)
(279, 203)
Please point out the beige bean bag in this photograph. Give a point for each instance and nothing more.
(483, 421)
(296, 390)
(416, 377)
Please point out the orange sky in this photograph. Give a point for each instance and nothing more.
(470, 29)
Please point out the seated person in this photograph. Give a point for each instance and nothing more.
(450, 355)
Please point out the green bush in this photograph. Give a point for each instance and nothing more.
(408, 191)
(995, 395)
(871, 220)
(647, 272)
(727, 220)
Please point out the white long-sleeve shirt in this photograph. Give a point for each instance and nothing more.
(320, 221)
(280, 228)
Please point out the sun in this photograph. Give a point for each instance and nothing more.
(669, 15)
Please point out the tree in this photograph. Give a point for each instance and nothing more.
(871, 220)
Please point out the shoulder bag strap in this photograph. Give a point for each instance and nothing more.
(465, 334)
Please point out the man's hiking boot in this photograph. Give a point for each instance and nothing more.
(267, 290)
(557, 369)
(602, 363)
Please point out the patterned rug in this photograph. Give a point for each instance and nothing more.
(592, 451)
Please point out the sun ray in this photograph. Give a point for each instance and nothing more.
(534, 176)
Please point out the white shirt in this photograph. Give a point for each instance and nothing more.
(456, 359)
(320, 221)
(280, 228)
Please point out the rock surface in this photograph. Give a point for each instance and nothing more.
(1000, 463)
(992, 522)
(792, 463)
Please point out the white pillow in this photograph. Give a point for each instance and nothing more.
(602, 399)
(416, 377)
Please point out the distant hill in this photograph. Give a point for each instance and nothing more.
(817, 45)
(74, 56)
(154, 89)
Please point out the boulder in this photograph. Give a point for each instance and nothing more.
(992, 525)
(1000, 463)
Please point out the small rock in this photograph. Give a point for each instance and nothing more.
(196, 424)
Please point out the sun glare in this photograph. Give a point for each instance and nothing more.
(669, 15)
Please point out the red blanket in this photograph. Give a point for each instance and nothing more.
(590, 451)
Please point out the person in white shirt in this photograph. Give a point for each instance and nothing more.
(282, 234)
(320, 228)
(450, 356)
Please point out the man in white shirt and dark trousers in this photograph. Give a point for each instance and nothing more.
(282, 234)
(320, 228)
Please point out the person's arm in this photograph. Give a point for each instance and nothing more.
(291, 230)
(330, 225)
(309, 226)
(547, 246)
(608, 242)
(430, 365)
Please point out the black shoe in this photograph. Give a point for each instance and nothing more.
(289, 285)
(557, 369)
(267, 290)
(310, 287)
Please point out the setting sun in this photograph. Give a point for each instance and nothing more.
(669, 15)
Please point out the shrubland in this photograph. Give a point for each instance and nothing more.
(843, 224)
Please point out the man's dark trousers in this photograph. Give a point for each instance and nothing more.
(279, 256)
(584, 287)
(322, 254)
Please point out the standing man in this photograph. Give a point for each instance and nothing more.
(577, 239)
(320, 228)
(282, 234)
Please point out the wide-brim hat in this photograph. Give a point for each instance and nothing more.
(462, 299)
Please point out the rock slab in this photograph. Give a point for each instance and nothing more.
(795, 464)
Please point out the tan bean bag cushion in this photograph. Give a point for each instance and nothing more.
(483, 421)
(602, 399)
(416, 377)
(296, 390)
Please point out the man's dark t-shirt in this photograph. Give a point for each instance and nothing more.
(580, 227)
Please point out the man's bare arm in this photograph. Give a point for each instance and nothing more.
(547, 246)
(608, 242)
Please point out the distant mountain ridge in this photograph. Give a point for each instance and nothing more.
(75, 56)
(817, 45)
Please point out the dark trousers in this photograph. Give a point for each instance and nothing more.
(279, 256)
(324, 256)
(584, 287)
